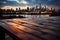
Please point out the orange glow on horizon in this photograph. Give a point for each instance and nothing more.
(14, 7)
(24, 7)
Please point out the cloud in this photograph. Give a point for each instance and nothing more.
(29, 2)
(11, 0)
(22, 2)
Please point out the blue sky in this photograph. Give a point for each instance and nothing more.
(29, 2)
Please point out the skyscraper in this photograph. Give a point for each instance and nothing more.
(40, 6)
(28, 8)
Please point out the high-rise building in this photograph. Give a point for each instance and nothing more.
(28, 9)
(54, 9)
(32, 9)
(51, 9)
(19, 9)
(36, 6)
(40, 6)
(16, 9)
(45, 7)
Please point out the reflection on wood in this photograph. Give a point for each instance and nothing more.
(33, 29)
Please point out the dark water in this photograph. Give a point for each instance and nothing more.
(35, 16)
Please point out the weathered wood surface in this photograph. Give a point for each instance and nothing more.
(33, 29)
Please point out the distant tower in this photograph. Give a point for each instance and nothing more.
(19, 9)
(36, 6)
(32, 9)
(16, 9)
(45, 7)
(51, 9)
(40, 5)
(28, 8)
(54, 9)
(11, 9)
(40, 8)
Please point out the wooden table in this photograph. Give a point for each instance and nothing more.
(31, 29)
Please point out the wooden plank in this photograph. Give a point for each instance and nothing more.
(28, 29)
(20, 33)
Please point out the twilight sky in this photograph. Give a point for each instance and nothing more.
(29, 2)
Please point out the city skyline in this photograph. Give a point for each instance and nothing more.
(25, 7)
(40, 6)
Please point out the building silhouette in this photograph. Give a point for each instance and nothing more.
(37, 8)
